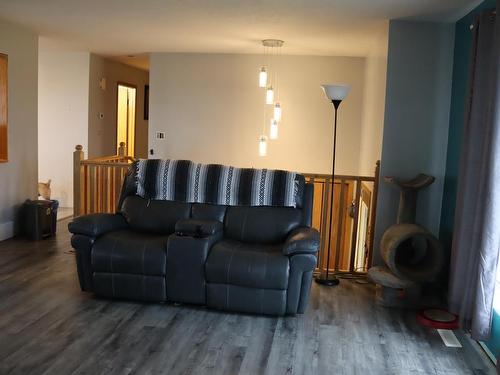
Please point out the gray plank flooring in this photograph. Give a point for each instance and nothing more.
(48, 326)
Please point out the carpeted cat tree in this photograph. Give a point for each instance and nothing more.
(412, 255)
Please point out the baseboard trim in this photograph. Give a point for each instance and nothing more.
(488, 352)
(6, 230)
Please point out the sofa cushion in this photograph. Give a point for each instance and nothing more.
(261, 224)
(203, 211)
(198, 228)
(255, 266)
(94, 225)
(248, 300)
(154, 216)
(132, 287)
(130, 252)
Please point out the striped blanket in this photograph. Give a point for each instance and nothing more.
(183, 180)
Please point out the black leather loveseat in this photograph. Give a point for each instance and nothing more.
(237, 258)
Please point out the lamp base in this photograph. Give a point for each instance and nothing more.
(331, 280)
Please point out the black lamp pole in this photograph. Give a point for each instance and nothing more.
(327, 280)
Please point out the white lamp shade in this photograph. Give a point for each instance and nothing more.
(336, 92)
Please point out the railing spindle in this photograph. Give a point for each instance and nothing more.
(87, 189)
(78, 156)
(325, 229)
(340, 224)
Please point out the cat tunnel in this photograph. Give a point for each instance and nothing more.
(412, 252)
(412, 255)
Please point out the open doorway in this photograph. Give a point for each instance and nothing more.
(362, 244)
(125, 119)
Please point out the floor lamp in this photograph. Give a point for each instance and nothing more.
(334, 93)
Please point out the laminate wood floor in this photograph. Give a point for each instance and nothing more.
(48, 326)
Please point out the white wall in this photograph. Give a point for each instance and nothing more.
(374, 103)
(63, 97)
(18, 177)
(419, 73)
(212, 110)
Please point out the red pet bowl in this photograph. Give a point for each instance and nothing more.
(437, 318)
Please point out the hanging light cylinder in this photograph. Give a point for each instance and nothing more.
(273, 129)
(269, 95)
(277, 111)
(263, 77)
(263, 145)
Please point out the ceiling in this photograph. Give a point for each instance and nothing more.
(140, 61)
(309, 27)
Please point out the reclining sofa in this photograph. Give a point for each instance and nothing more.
(245, 258)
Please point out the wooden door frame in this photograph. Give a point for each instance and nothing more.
(6, 158)
(130, 86)
(366, 197)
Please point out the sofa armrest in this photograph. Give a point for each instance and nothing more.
(97, 224)
(303, 240)
(197, 228)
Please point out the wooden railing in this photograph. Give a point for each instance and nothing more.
(97, 182)
(352, 230)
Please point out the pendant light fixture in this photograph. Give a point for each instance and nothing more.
(268, 79)
(263, 72)
(273, 129)
(277, 111)
(263, 145)
(263, 77)
(269, 95)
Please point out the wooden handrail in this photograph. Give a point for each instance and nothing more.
(109, 158)
(97, 182)
(339, 177)
(99, 162)
(351, 238)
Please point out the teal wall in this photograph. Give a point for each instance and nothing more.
(461, 65)
(494, 342)
(461, 62)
